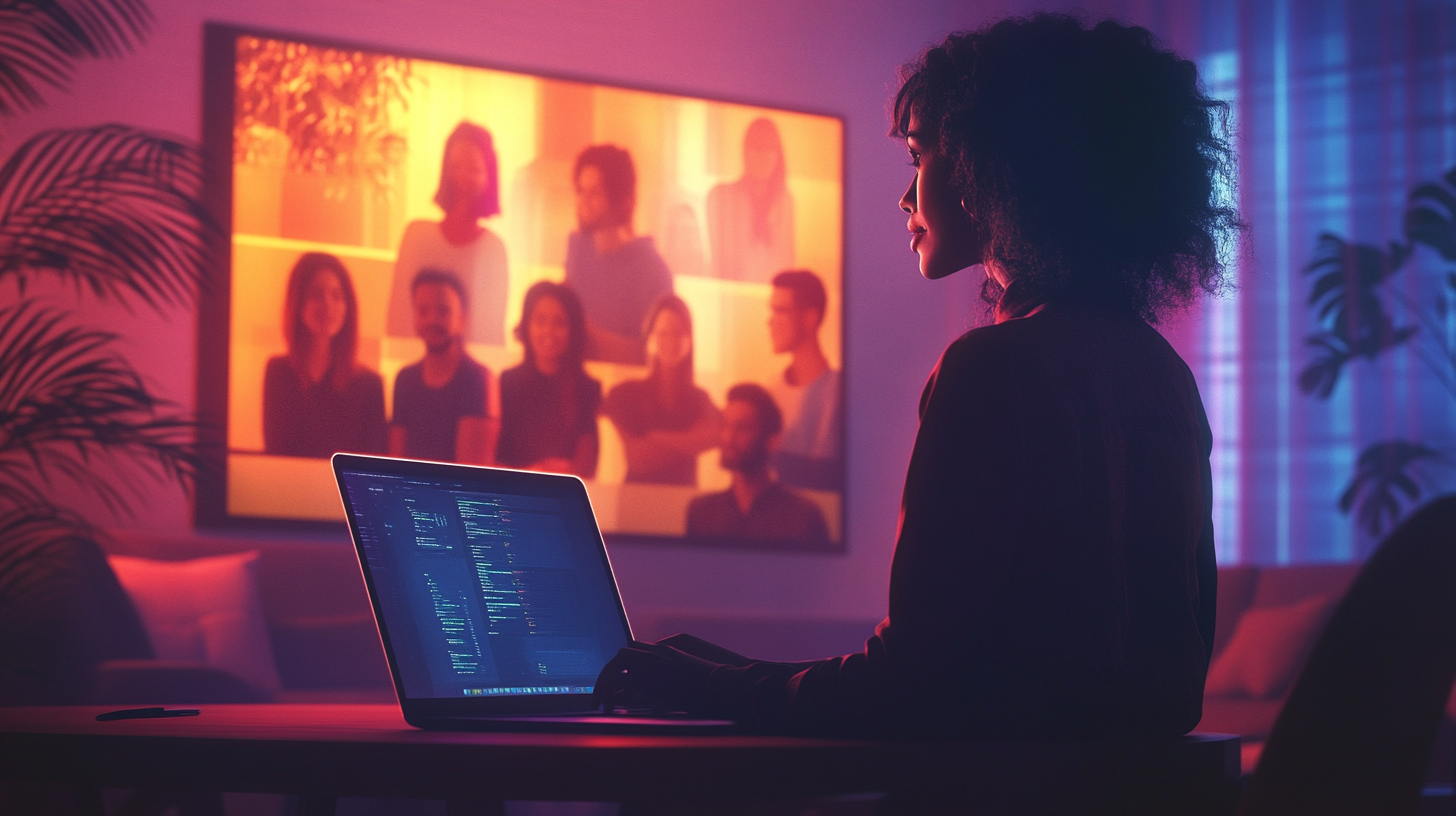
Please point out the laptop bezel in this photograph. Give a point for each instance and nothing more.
(423, 711)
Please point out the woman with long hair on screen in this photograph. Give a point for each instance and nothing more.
(1054, 568)
(317, 398)
(751, 220)
(469, 191)
(549, 403)
(665, 420)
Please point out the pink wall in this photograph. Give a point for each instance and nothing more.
(836, 57)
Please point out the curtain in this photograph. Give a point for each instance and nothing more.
(1339, 110)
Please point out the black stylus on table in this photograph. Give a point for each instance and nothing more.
(147, 713)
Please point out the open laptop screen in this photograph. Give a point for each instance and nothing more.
(487, 583)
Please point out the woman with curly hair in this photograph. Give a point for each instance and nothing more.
(1054, 571)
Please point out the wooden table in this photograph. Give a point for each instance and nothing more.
(324, 751)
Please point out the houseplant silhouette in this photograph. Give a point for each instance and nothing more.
(116, 213)
(1349, 292)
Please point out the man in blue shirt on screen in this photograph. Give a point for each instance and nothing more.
(440, 402)
(617, 273)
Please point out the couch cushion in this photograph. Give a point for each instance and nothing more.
(297, 578)
(1268, 648)
(1281, 586)
(206, 610)
(1235, 591)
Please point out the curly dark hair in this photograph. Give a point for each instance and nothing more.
(1090, 157)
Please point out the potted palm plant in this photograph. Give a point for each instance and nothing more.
(116, 213)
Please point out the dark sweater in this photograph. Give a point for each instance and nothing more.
(1054, 572)
(543, 416)
(319, 419)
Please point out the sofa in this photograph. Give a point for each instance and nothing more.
(311, 607)
(1268, 621)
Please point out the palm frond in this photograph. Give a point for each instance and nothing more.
(1382, 474)
(41, 40)
(1430, 215)
(23, 528)
(67, 401)
(113, 209)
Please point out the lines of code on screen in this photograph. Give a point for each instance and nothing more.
(485, 594)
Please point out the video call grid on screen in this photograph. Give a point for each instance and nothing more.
(484, 594)
(347, 163)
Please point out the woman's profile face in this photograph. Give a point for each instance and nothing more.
(668, 342)
(942, 233)
(324, 306)
(548, 331)
(466, 168)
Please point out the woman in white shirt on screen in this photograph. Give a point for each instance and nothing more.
(469, 191)
(751, 220)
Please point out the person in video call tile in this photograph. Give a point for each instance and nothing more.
(468, 192)
(756, 506)
(666, 420)
(751, 220)
(548, 402)
(617, 273)
(317, 399)
(808, 391)
(440, 402)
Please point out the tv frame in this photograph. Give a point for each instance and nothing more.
(215, 298)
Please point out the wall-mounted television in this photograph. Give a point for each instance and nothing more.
(443, 260)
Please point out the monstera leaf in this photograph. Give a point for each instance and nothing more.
(1323, 372)
(1382, 474)
(1346, 298)
(113, 209)
(66, 398)
(1347, 276)
(40, 41)
(1430, 215)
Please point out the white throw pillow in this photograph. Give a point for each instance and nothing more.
(206, 610)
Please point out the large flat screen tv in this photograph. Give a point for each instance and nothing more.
(390, 218)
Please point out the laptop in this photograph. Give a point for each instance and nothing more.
(494, 596)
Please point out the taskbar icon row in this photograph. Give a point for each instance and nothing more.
(501, 690)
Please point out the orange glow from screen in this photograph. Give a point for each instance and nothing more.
(384, 176)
